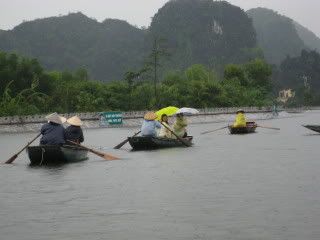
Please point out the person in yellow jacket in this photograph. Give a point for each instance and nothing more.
(180, 125)
(240, 119)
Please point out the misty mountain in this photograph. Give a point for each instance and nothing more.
(276, 35)
(311, 40)
(212, 33)
(106, 49)
(207, 32)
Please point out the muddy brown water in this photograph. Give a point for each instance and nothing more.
(258, 186)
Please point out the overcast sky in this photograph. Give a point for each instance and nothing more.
(139, 12)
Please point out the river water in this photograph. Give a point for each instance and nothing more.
(258, 186)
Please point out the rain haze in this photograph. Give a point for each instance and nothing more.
(140, 12)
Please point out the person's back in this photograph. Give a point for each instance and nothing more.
(74, 134)
(240, 119)
(149, 125)
(52, 134)
(149, 128)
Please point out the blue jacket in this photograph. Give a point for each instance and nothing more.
(52, 134)
(149, 128)
(74, 133)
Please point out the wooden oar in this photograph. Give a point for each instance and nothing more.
(17, 154)
(100, 154)
(125, 141)
(268, 127)
(186, 143)
(213, 130)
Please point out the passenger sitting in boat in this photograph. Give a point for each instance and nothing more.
(180, 125)
(74, 132)
(149, 125)
(240, 119)
(53, 131)
(164, 131)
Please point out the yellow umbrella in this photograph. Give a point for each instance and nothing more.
(168, 111)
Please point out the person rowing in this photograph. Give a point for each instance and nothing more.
(53, 132)
(241, 120)
(165, 131)
(150, 125)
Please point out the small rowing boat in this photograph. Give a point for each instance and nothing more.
(50, 154)
(250, 128)
(148, 143)
(315, 128)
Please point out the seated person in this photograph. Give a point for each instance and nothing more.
(149, 125)
(53, 131)
(240, 119)
(164, 131)
(74, 132)
(180, 125)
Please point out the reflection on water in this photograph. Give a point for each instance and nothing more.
(258, 186)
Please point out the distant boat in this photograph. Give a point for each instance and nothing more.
(250, 128)
(315, 128)
(49, 154)
(149, 143)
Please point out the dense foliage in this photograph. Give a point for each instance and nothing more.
(302, 74)
(27, 89)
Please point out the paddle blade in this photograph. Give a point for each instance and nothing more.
(105, 156)
(110, 157)
(10, 160)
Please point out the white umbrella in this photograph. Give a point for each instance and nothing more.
(188, 111)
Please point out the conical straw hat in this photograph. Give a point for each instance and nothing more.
(75, 121)
(150, 116)
(55, 118)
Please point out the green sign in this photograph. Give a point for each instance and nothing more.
(112, 118)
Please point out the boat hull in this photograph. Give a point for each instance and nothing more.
(250, 128)
(148, 143)
(49, 154)
(315, 128)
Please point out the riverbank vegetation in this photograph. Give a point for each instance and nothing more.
(27, 89)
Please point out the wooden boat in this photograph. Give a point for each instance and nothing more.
(250, 128)
(315, 128)
(147, 143)
(49, 154)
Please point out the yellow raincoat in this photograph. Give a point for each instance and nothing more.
(240, 120)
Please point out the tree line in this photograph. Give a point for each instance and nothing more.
(26, 88)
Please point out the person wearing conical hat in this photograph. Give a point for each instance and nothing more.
(240, 119)
(53, 131)
(150, 125)
(74, 132)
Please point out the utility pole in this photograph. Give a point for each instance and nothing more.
(155, 80)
